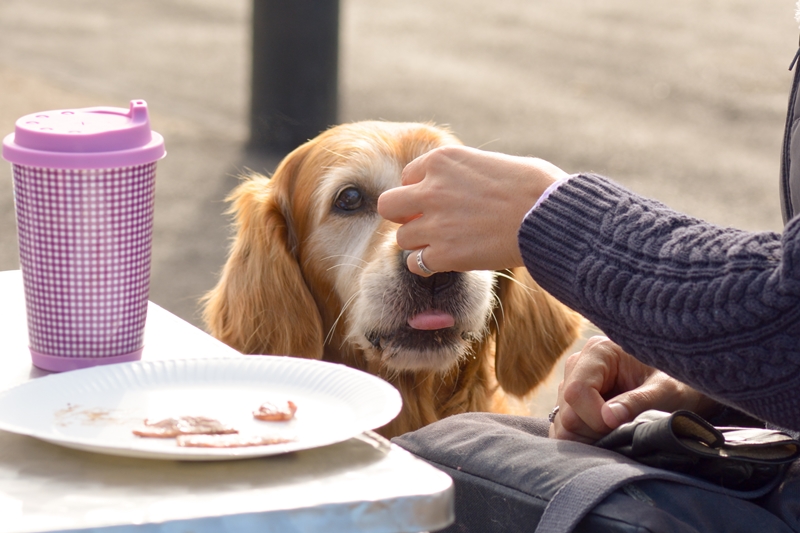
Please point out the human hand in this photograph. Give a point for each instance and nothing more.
(604, 387)
(464, 207)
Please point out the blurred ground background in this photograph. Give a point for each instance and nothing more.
(683, 101)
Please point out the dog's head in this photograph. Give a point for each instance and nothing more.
(315, 272)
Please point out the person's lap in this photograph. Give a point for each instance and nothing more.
(506, 470)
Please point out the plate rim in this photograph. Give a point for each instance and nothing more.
(390, 395)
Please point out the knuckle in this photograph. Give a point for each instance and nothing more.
(573, 391)
(571, 361)
(598, 341)
(445, 153)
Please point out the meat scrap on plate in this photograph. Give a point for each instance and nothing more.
(204, 432)
(183, 425)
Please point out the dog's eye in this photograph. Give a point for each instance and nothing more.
(349, 199)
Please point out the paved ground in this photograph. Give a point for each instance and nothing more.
(682, 100)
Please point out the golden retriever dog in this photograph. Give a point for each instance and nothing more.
(315, 272)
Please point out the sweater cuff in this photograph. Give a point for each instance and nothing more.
(549, 190)
(558, 233)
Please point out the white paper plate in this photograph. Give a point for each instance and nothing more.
(96, 409)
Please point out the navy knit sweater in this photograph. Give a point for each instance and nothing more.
(717, 308)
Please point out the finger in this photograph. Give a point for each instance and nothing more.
(582, 394)
(615, 413)
(628, 405)
(658, 391)
(398, 205)
(408, 236)
(582, 409)
(415, 171)
(562, 434)
(596, 342)
(413, 263)
(570, 362)
(568, 426)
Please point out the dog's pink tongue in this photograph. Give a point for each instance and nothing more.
(431, 319)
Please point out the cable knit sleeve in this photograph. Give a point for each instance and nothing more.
(715, 307)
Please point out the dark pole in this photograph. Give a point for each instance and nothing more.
(294, 89)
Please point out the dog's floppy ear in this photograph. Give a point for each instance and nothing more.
(533, 330)
(261, 304)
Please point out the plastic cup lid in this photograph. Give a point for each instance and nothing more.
(93, 137)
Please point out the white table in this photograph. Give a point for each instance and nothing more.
(364, 484)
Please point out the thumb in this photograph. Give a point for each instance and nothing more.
(628, 405)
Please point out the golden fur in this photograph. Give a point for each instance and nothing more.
(315, 272)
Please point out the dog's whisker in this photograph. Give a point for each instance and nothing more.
(329, 336)
(487, 143)
(345, 264)
(486, 330)
(390, 373)
(347, 256)
(383, 308)
(338, 265)
(343, 343)
(442, 381)
(507, 275)
(494, 315)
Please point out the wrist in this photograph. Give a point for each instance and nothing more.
(546, 176)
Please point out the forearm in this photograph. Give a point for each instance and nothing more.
(714, 307)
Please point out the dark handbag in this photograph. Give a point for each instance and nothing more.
(509, 477)
(732, 457)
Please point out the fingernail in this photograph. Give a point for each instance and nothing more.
(619, 411)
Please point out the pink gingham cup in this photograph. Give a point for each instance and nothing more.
(84, 182)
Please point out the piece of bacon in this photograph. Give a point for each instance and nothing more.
(276, 411)
(228, 441)
(183, 425)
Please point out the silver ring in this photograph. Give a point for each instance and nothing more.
(421, 265)
(552, 416)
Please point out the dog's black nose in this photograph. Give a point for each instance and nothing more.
(435, 282)
(438, 281)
